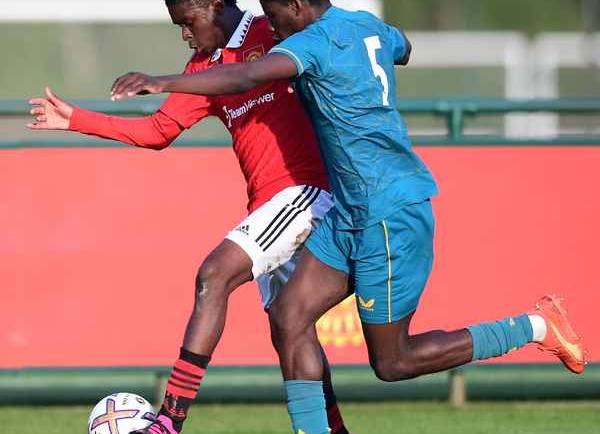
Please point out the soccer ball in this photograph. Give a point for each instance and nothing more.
(120, 413)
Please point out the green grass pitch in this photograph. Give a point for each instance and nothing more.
(376, 418)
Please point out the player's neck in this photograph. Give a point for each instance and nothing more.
(319, 10)
(230, 20)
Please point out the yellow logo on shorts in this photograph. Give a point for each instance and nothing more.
(341, 326)
(366, 305)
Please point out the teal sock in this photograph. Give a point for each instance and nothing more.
(497, 338)
(306, 406)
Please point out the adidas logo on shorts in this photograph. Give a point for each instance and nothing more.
(245, 229)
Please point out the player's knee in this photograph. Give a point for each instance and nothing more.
(390, 370)
(211, 283)
(383, 370)
(284, 323)
(278, 319)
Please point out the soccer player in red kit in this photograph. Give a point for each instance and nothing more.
(279, 157)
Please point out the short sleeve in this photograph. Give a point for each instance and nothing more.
(398, 43)
(187, 109)
(309, 50)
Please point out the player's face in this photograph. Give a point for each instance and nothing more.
(198, 26)
(284, 18)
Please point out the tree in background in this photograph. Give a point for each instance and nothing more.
(590, 12)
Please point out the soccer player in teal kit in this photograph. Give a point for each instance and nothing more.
(377, 240)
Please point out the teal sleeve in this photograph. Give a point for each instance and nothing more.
(398, 43)
(307, 49)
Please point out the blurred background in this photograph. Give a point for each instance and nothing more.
(502, 98)
(464, 48)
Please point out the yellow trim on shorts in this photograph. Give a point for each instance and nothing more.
(387, 247)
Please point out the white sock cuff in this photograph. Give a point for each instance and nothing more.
(538, 324)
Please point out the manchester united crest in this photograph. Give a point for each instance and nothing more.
(253, 54)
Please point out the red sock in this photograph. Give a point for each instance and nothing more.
(183, 385)
(334, 417)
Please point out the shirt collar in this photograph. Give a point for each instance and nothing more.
(238, 37)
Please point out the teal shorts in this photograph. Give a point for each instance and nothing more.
(388, 263)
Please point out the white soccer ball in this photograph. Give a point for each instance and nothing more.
(120, 413)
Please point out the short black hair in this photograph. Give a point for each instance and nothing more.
(199, 3)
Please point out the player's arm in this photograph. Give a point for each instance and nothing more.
(221, 80)
(406, 58)
(400, 44)
(52, 113)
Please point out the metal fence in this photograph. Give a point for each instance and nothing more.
(455, 113)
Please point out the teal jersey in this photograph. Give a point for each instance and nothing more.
(346, 81)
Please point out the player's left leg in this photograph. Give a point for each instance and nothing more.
(396, 355)
(398, 256)
(395, 260)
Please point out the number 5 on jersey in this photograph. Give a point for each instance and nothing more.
(373, 44)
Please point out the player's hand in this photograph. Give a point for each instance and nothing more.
(50, 113)
(135, 83)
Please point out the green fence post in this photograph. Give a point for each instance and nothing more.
(456, 122)
(457, 392)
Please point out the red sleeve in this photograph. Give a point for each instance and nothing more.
(156, 131)
(178, 112)
(188, 109)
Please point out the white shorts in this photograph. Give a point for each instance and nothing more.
(274, 234)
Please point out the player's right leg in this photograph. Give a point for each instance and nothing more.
(226, 268)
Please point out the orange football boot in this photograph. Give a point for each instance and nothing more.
(561, 340)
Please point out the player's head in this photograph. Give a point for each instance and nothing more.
(200, 22)
(292, 16)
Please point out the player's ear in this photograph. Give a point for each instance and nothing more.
(297, 6)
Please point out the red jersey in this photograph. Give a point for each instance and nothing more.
(272, 136)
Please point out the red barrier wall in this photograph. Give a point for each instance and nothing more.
(99, 248)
